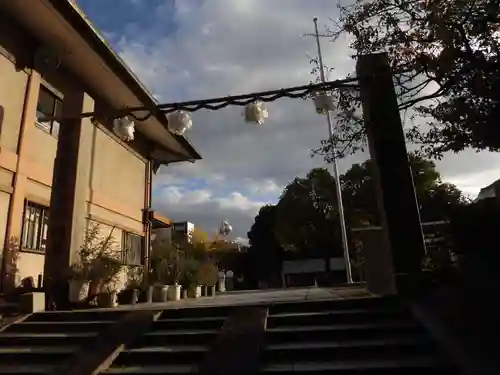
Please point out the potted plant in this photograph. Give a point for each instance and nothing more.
(208, 277)
(104, 273)
(190, 278)
(130, 294)
(97, 267)
(11, 272)
(175, 269)
(159, 274)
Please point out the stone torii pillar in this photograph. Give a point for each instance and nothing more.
(397, 202)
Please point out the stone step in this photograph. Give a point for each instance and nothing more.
(152, 370)
(337, 304)
(371, 367)
(13, 339)
(178, 355)
(176, 337)
(183, 332)
(59, 326)
(376, 315)
(312, 345)
(341, 332)
(25, 369)
(348, 350)
(196, 312)
(210, 322)
(76, 316)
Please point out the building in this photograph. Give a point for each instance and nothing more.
(182, 232)
(57, 177)
(490, 191)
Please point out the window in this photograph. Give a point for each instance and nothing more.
(132, 245)
(35, 227)
(48, 105)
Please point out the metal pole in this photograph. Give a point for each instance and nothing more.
(343, 229)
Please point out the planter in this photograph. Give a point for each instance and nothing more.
(160, 293)
(106, 299)
(204, 291)
(78, 290)
(184, 293)
(149, 294)
(174, 292)
(222, 285)
(128, 297)
(194, 291)
(142, 296)
(211, 291)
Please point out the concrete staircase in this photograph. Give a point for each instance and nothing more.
(176, 344)
(44, 341)
(368, 336)
(361, 336)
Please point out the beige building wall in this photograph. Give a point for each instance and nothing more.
(12, 98)
(117, 181)
(116, 189)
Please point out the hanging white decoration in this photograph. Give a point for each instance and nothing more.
(124, 128)
(179, 122)
(255, 112)
(323, 103)
(225, 228)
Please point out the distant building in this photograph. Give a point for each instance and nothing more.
(490, 191)
(182, 232)
(166, 232)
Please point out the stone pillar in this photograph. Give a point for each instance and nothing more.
(378, 272)
(68, 203)
(393, 179)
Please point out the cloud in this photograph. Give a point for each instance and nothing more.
(194, 49)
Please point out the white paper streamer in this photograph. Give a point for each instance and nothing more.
(179, 122)
(323, 103)
(124, 128)
(255, 112)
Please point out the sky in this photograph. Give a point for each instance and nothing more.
(197, 49)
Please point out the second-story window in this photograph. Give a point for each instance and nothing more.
(48, 105)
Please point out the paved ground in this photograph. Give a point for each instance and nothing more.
(255, 297)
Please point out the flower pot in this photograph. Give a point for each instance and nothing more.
(194, 291)
(184, 293)
(128, 297)
(174, 292)
(149, 294)
(106, 299)
(211, 291)
(160, 293)
(78, 290)
(157, 293)
(323, 103)
(204, 291)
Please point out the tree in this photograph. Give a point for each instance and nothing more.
(265, 253)
(307, 216)
(200, 239)
(445, 56)
(436, 199)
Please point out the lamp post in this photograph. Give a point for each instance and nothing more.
(343, 229)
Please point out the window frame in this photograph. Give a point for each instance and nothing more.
(49, 126)
(36, 241)
(129, 239)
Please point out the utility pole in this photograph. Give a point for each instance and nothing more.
(340, 207)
